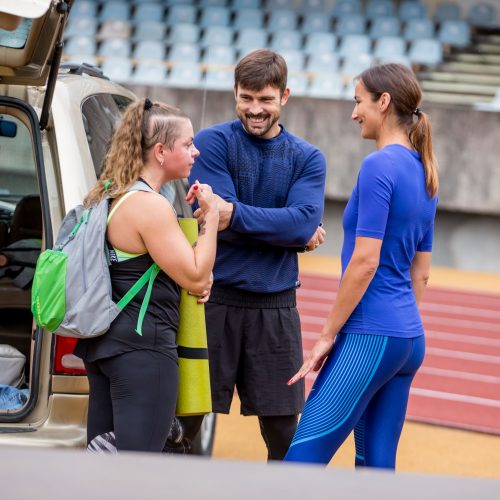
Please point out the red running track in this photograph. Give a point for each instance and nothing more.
(458, 384)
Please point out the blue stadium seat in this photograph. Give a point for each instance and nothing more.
(298, 83)
(217, 78)
(149, 73)
(181, 14)
(323, 62)
(80, 26)
(219, 54)
(215, 16)
(184, 33)
(213, 3)
(118, 69)
(149, 49)
(294, 59)
(419, 28)
(328, 85)
(248, 18)
(80, 45)
(282, 19)
(114, 9)
(276, 4)
(178, 2)
(217, 35)
(83, 8)
(286, 40)
(483, 15)
(150, 30)
(185, 75)
(456, 33)
(388, 47)
(355, 44)
(115, 28)
(246, 4)
(115, 47)
(379, 8)
(354, 24)
(346, 8)
(82, 58)
(385, 26)
(426, 51)
(148, 12)
(316, 22)
(354, 64)
(412, 9)
(312, 6)
(447, 12)
(251, 38)
(184, 52)
(320, 42)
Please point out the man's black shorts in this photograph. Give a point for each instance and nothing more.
(255, 344)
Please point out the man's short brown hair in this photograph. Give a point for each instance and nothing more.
(261, 68)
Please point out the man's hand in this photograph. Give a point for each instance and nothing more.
(225, 213)
(317, 239)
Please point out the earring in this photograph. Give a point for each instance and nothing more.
(161, 163)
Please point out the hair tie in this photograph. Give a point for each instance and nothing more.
(147, 104)
(417, 111)
(107, 185)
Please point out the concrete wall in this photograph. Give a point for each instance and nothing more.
(466, 141)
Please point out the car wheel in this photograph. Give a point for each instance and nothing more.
(203, 443)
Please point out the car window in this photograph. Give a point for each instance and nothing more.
(17, 38)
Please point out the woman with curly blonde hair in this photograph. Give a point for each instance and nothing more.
(133, 375)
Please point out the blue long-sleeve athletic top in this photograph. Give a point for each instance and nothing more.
(389, 202)
(277, 187)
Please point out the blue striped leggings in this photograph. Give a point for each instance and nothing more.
(363, 385)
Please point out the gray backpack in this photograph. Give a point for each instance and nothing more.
(71, 293)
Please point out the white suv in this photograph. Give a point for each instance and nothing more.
(55, 124)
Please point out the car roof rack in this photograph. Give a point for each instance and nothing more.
(83, 68)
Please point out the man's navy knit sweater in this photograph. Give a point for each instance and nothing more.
(277, 187)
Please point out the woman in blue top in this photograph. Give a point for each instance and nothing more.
(388, 227)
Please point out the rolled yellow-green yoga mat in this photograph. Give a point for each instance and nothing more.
(194, 397)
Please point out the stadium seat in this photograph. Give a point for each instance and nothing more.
(80, 26)
(483, 15)
(321, 62)
(354, 64)
(213, 3)
(83, 8)
(246, 4)
(379, 9)
(184, 33)
(312, 6)
(355, 44)
(150, 30)
(217, 35)
(181, 14)
(185, 75)
(418, 28)
(116, 28)
(327, 85)
(114, 9)
(80, 45)
(298, 83)
(389, 47)
(320, 42)
(219, 79)
(316, 22)
(282, 19)
(149, 49)
(354, 24)
(248, 18)
(447, 12)
(89, 59)
(294, 59)
(251, 38)
(219, 54)
(286, 40)
(346, 8)
(215, 16)
(412, 9)
(114, 47)
(426, 51)
(149, 73)
(184, 52)
(177, 2)
(385, 26)
(456, 33)
(118, 69)
(148, 12)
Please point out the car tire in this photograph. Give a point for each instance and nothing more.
(203, 443)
